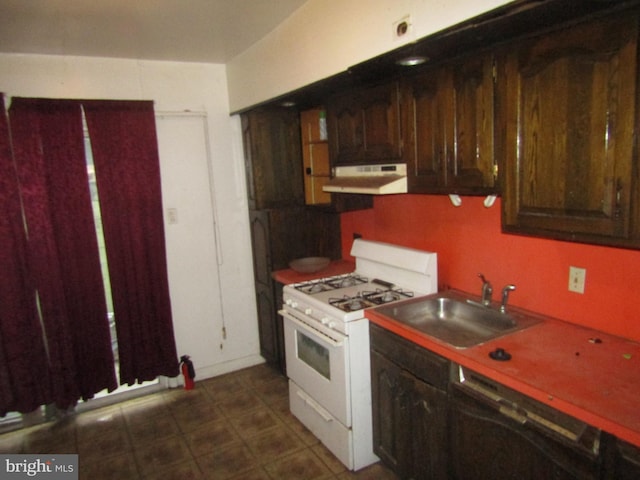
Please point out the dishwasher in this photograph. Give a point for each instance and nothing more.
(498, 433)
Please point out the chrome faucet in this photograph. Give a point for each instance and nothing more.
(505, 297)
(487, 290)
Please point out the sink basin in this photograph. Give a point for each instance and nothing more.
(456, 320)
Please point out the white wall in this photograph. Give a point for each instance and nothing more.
(325, 37)
(320, 39)
(203, 182)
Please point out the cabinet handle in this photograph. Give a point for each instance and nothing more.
(308, 170)
(514, 414)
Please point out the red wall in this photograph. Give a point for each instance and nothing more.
(468, 240)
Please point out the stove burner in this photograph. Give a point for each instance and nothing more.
(385, 296)
(355, 304)
(344, 281)
(347, 282)
(350, 304)
(353, 300)
(389, 297)
(317, 288)
(313, 286)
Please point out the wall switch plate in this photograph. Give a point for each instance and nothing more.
(577, 277)
(172, 215)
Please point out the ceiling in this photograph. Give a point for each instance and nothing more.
(211, 31)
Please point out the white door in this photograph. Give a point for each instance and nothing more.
(187, 196)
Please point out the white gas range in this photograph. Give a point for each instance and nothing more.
(327, 342)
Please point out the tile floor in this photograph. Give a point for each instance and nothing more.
(236, 426)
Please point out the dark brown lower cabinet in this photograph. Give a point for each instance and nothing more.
(487, 444)
(409, 414)
(623, 460)
(277, 237)
(429, 424)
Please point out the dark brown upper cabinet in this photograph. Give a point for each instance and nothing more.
(569, 111)
(448, 124)
(273, 155)
(364, 126)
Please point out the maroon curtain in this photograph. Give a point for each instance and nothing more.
(48, 146)
(24, 371)
(125, 154)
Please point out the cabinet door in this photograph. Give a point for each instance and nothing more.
(570, 113)
(267, 325)
(261, 245)
(409, 421)
(381, 118)
(345, 123)
(627, 461)
(265, 301)
(448, 126)
(488, 444)
(273, 158)
(424, 132)
(469, 118)
(277, 237)
(426, 436)
(388, 406)
(364, 126)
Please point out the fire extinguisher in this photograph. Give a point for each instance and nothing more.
(188, 372)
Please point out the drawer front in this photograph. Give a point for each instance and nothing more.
(333, 434)
(422, 363)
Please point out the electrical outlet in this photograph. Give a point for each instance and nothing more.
(577, 277)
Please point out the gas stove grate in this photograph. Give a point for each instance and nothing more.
(380, 297)
(351, 303)
(312, 287)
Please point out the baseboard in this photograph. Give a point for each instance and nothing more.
(227, 367)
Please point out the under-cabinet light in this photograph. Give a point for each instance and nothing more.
(412, 61)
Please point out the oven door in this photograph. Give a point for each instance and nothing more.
(318, 362)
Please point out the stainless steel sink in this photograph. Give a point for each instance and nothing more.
(456, 320)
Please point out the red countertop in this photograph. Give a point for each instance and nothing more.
(558, 363)
(336, 267)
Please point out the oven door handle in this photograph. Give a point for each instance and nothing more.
(327, 336)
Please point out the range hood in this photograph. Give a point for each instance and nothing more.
(370, 179)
